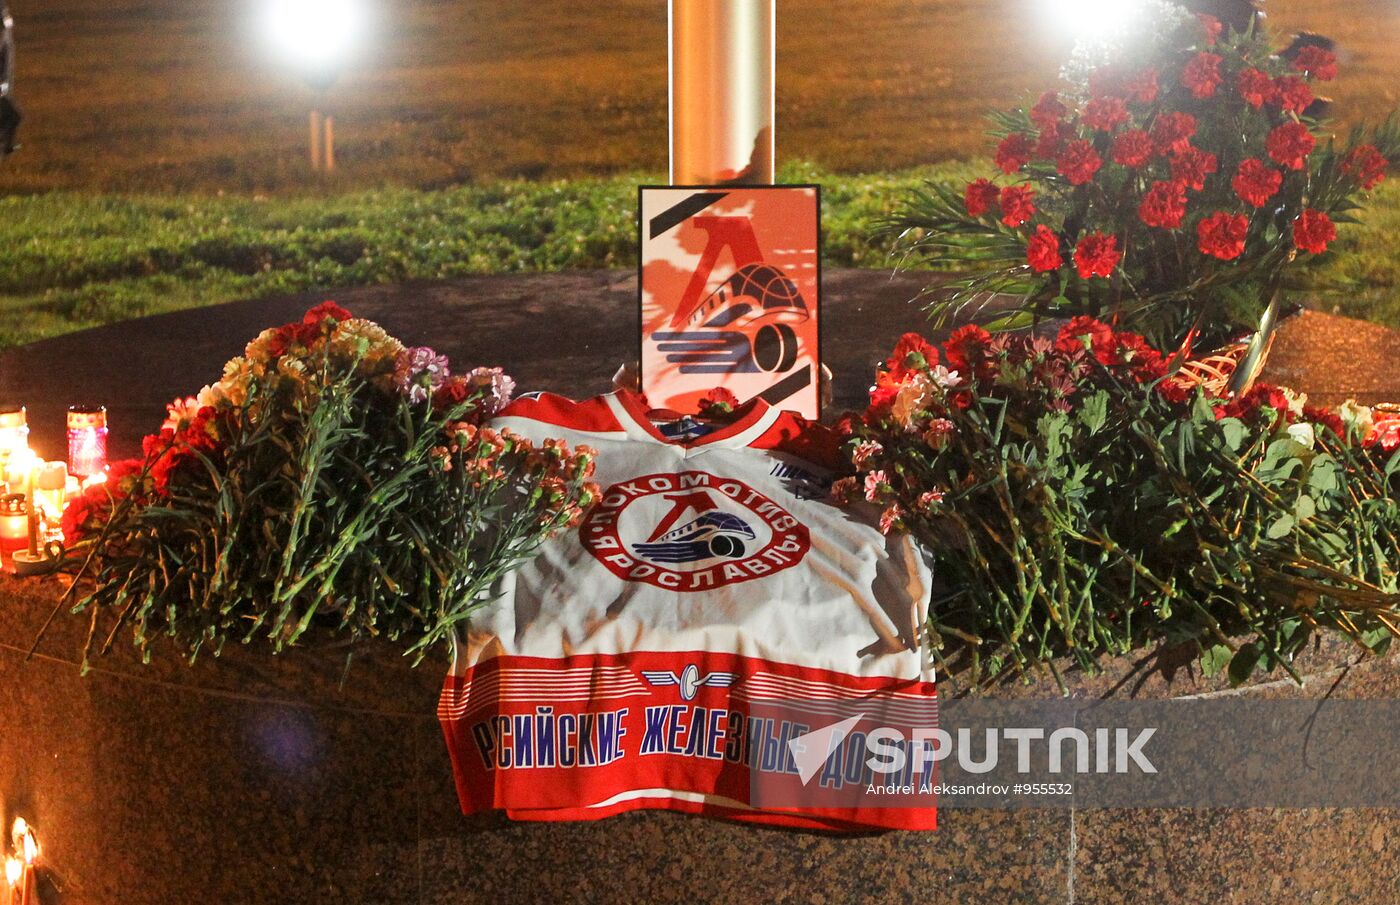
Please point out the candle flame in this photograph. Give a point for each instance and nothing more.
(18, 831)
(13, 869)
(31, 849)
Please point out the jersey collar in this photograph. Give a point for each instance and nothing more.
(752, 420)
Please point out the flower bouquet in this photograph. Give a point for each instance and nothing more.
(330, 474)
(1084, 499)
(1168, 188)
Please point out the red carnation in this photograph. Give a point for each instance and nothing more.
(1097, 255)
(1191, 166)
(1202, 74)
(326, 310)
(980, 196)
(1246, 407)
(1292, 93)
(1048, 111)
(882, 395)
(1106, 113)
(1222, 234)
(1078, 162)
(1084, 333)
(1043, 250)
(1256, 182)
(1051, 140)
(1132, 148)
(1173, 131)
(718, 401)
(1366, 165)
(1318, 62)
(911, 353)
(1313, 230)
(1142, 86)
(1164, 205)
(1016, 204)
(1144, 362)
(1290, 144)
(966, 349)
(1212, 27)
(1255, 87)
(1014, 152)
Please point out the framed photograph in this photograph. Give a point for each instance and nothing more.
(730, 291)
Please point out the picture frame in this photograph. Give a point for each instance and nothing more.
(729, 282)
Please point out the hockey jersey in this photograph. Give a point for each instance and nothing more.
(655, 657)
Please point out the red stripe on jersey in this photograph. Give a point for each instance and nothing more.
(829, 819)
(591, 416)
(674, 730)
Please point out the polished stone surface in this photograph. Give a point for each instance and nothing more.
(256, 778)
(565, 332)
(316, 776)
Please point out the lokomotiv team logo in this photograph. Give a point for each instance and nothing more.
(692, 531)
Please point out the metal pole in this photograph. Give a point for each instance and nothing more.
(722, 55)
(330, 143)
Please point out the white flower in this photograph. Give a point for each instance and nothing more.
(180, 412)
(1358, 418)
(1302, 432)
(945, 378)
(1296, 401)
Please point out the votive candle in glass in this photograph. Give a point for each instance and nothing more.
(50, 484)
(14, 431)
(87, 440)
(14, 520)
(19, 467)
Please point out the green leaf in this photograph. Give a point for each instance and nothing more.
(1242, 665)
(1234, 432)
(1325, 475)
(1282, 527)
(1214, 659)
(1378, 640)
(1093, 412)
(1282, 458)
(1053, 429)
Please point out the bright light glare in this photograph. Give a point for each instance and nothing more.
(1093, 20)
(316, 36)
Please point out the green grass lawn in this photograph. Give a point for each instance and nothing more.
(76, 260)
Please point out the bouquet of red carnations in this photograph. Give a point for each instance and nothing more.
(1083, 499)
(330, 473)
(1169, 185)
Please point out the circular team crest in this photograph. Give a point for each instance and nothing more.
(692, 531)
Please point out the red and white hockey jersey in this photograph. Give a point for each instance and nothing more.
(622, 668)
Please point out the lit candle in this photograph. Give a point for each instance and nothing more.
(14, 874)
(14, 521)
(87, 439)
(29, 883)
(18, 468)
(51, 482)
(21, 869)
(14, 431)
